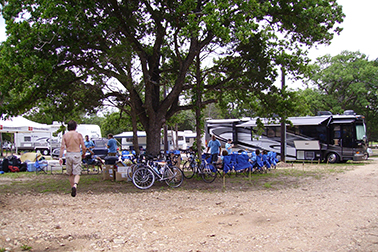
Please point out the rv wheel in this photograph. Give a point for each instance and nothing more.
(45, 152)
(333, 158)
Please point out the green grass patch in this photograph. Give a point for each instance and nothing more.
(268, 185)
(25, 248)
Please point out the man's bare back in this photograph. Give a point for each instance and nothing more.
(72, 141)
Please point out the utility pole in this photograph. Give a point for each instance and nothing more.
(283, 119)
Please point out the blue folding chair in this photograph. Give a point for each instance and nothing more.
(257, 164)
(227, 164)
(242, 163)
(40, 165)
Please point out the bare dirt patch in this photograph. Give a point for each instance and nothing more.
(294, 208)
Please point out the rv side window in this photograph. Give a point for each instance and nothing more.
(273, 132)
(27, 138)
(336, 132)
(360, 132)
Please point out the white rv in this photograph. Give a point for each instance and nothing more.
(181, 140)
(45, 142)
(92, 130)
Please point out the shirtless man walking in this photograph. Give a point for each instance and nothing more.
(72, 141)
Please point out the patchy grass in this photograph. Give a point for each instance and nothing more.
(285, 176)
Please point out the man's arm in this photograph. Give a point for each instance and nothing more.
(83, 148)
(62, 147)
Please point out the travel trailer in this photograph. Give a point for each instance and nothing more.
(45, 142)
(181, 140)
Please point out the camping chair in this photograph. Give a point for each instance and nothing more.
(92, 161)
(266, 161)
(40, 165)
(242, 163)
(227, 164)
(272, 159)
(257, 164)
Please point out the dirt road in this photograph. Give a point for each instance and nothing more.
(335, 213)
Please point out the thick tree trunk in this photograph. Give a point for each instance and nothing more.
(153, 137)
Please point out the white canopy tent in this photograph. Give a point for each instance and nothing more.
(20, 124)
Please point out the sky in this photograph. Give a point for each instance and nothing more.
(359, 32)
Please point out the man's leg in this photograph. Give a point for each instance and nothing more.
(74, 180)
(214, 158)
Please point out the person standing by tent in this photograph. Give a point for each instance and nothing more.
(72, 141)
(112, 145)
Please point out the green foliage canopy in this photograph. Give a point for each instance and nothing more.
(55, 47)
(348, 81)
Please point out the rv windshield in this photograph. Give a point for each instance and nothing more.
(360, 132)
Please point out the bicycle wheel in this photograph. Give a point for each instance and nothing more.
(188, 169)
(143, 178)
(208, 173)
(131, 171)
(173, 176)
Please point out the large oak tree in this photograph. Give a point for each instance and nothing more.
(130, 52)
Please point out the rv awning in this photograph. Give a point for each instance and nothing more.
(307, 120)
(129, 134)
(343, 121)
(313, 120)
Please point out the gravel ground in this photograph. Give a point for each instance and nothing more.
(337, 212)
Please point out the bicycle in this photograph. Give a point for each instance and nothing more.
(206, 170)
(144, 176)
(137, 161)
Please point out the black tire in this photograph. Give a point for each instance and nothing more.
(188, 169)
(173, 176)
(333, 158)
(143, 178)
(131, 171)
(207, 174)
